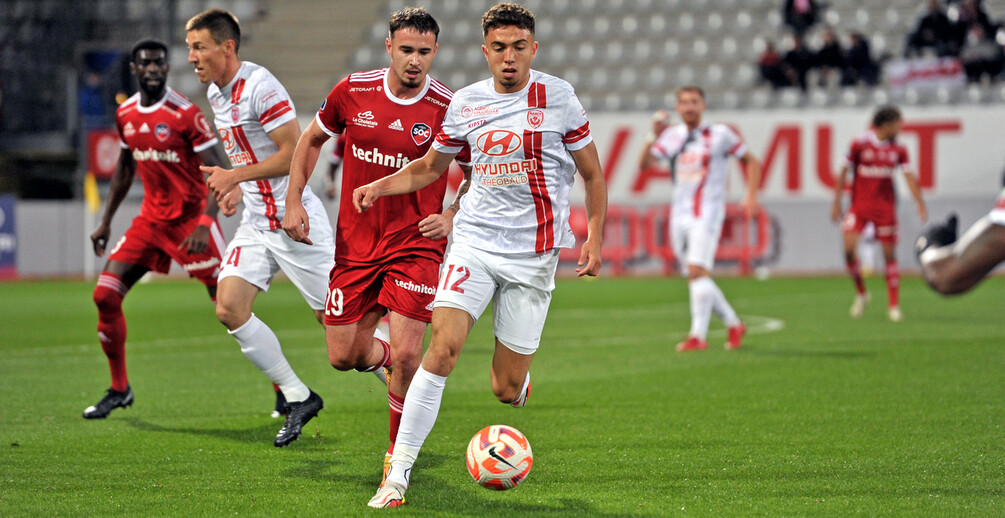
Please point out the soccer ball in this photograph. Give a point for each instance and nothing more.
(499, 457)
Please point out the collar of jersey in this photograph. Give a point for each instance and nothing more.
(405, 102)
(155, 106)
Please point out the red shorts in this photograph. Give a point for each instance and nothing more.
(885, 224)
(154, 244)
(405, 285)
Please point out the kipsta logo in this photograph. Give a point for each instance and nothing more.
(421, 133)
(162, 131)
(499, 142)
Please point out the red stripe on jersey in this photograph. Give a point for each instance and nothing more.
(242, 142)
(536, 96)
(532, 149)
(444, 140)
(1001, 203)
(734, 148)
(705, 161)
(275, 112)
(577, 134)
(235, 93)
(265, 189)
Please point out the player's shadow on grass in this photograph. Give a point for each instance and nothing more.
(264, 433)
(334, 471)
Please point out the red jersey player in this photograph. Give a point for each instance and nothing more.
(873, 158)
(385, 260)
(166, 138)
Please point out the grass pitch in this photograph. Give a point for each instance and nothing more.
(817, 414)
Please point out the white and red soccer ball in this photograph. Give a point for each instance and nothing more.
(499, 457)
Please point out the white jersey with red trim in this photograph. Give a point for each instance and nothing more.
(245, 111)
(699, 160)
(998, 212)
(522, 169)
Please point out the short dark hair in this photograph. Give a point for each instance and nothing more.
(222, 25)
(148, 44)
(886, 114)
(413, 18)
(691, 88)
(507, 14)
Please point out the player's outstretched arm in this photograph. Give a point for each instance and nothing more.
(222, 181)
(838, 193)
(198, 240)
(661, 121)
(588, 163)
(753, 166)
(914, 186)
(122, 180)
(296, 222)
(438, 226)
(411, 178)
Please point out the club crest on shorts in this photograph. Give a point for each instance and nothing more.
(235, 114)
(162, 132)
(535, 118)
(421, 133)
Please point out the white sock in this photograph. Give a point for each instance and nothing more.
(261, 346)
(422, 404)
(721, 307)
(523, 389)
(702, 292)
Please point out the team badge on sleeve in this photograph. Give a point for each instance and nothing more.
(535, 118)
(421, 133)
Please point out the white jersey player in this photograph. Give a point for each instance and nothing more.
(699, 158)
(528, 134)
(257, 122)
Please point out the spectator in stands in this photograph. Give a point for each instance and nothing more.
(969, 14)
(830, 58)
(797, 62)
(934, 32)
(800, 15)
(91, 97)
(770, 65)
(981, 55)
(861, 68)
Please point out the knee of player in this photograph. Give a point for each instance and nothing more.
(106, 299)
(229, 317)
(343, 362)
(506, 392)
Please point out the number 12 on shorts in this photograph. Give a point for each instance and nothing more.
(459, 274)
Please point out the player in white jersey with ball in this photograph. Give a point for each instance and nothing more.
(258, 125)
(699, 158)
(528, 134)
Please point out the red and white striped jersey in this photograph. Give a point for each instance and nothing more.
(522, 169)
(164, 139)
(383, 134)
(245, 111)
(873, 164)
(700, 164)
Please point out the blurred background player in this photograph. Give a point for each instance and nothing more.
(165, 137)
(258, 125)
(699, 163)
(952, 267)
(873, 158)
(387, 261)
(528, 134)
(335, 159)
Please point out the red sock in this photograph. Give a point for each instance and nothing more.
(275, 387)
(108, 297)
(397, 404)
(385, 360)
(856, 276)
(893, 283)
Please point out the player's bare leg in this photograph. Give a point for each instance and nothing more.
(235, 299)
(422, 403)
(354, 346)
(854, 270)
(511, 375)
(954, 268)
(892, 281)
(113, 284)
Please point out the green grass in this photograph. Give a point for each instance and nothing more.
(824, 416)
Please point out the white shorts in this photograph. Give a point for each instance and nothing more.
(997, 216)
(695, 240)
(518, 285)
(257, 256)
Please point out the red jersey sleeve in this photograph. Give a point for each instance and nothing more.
(331, 115)
(198, 130)
(851, 157)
